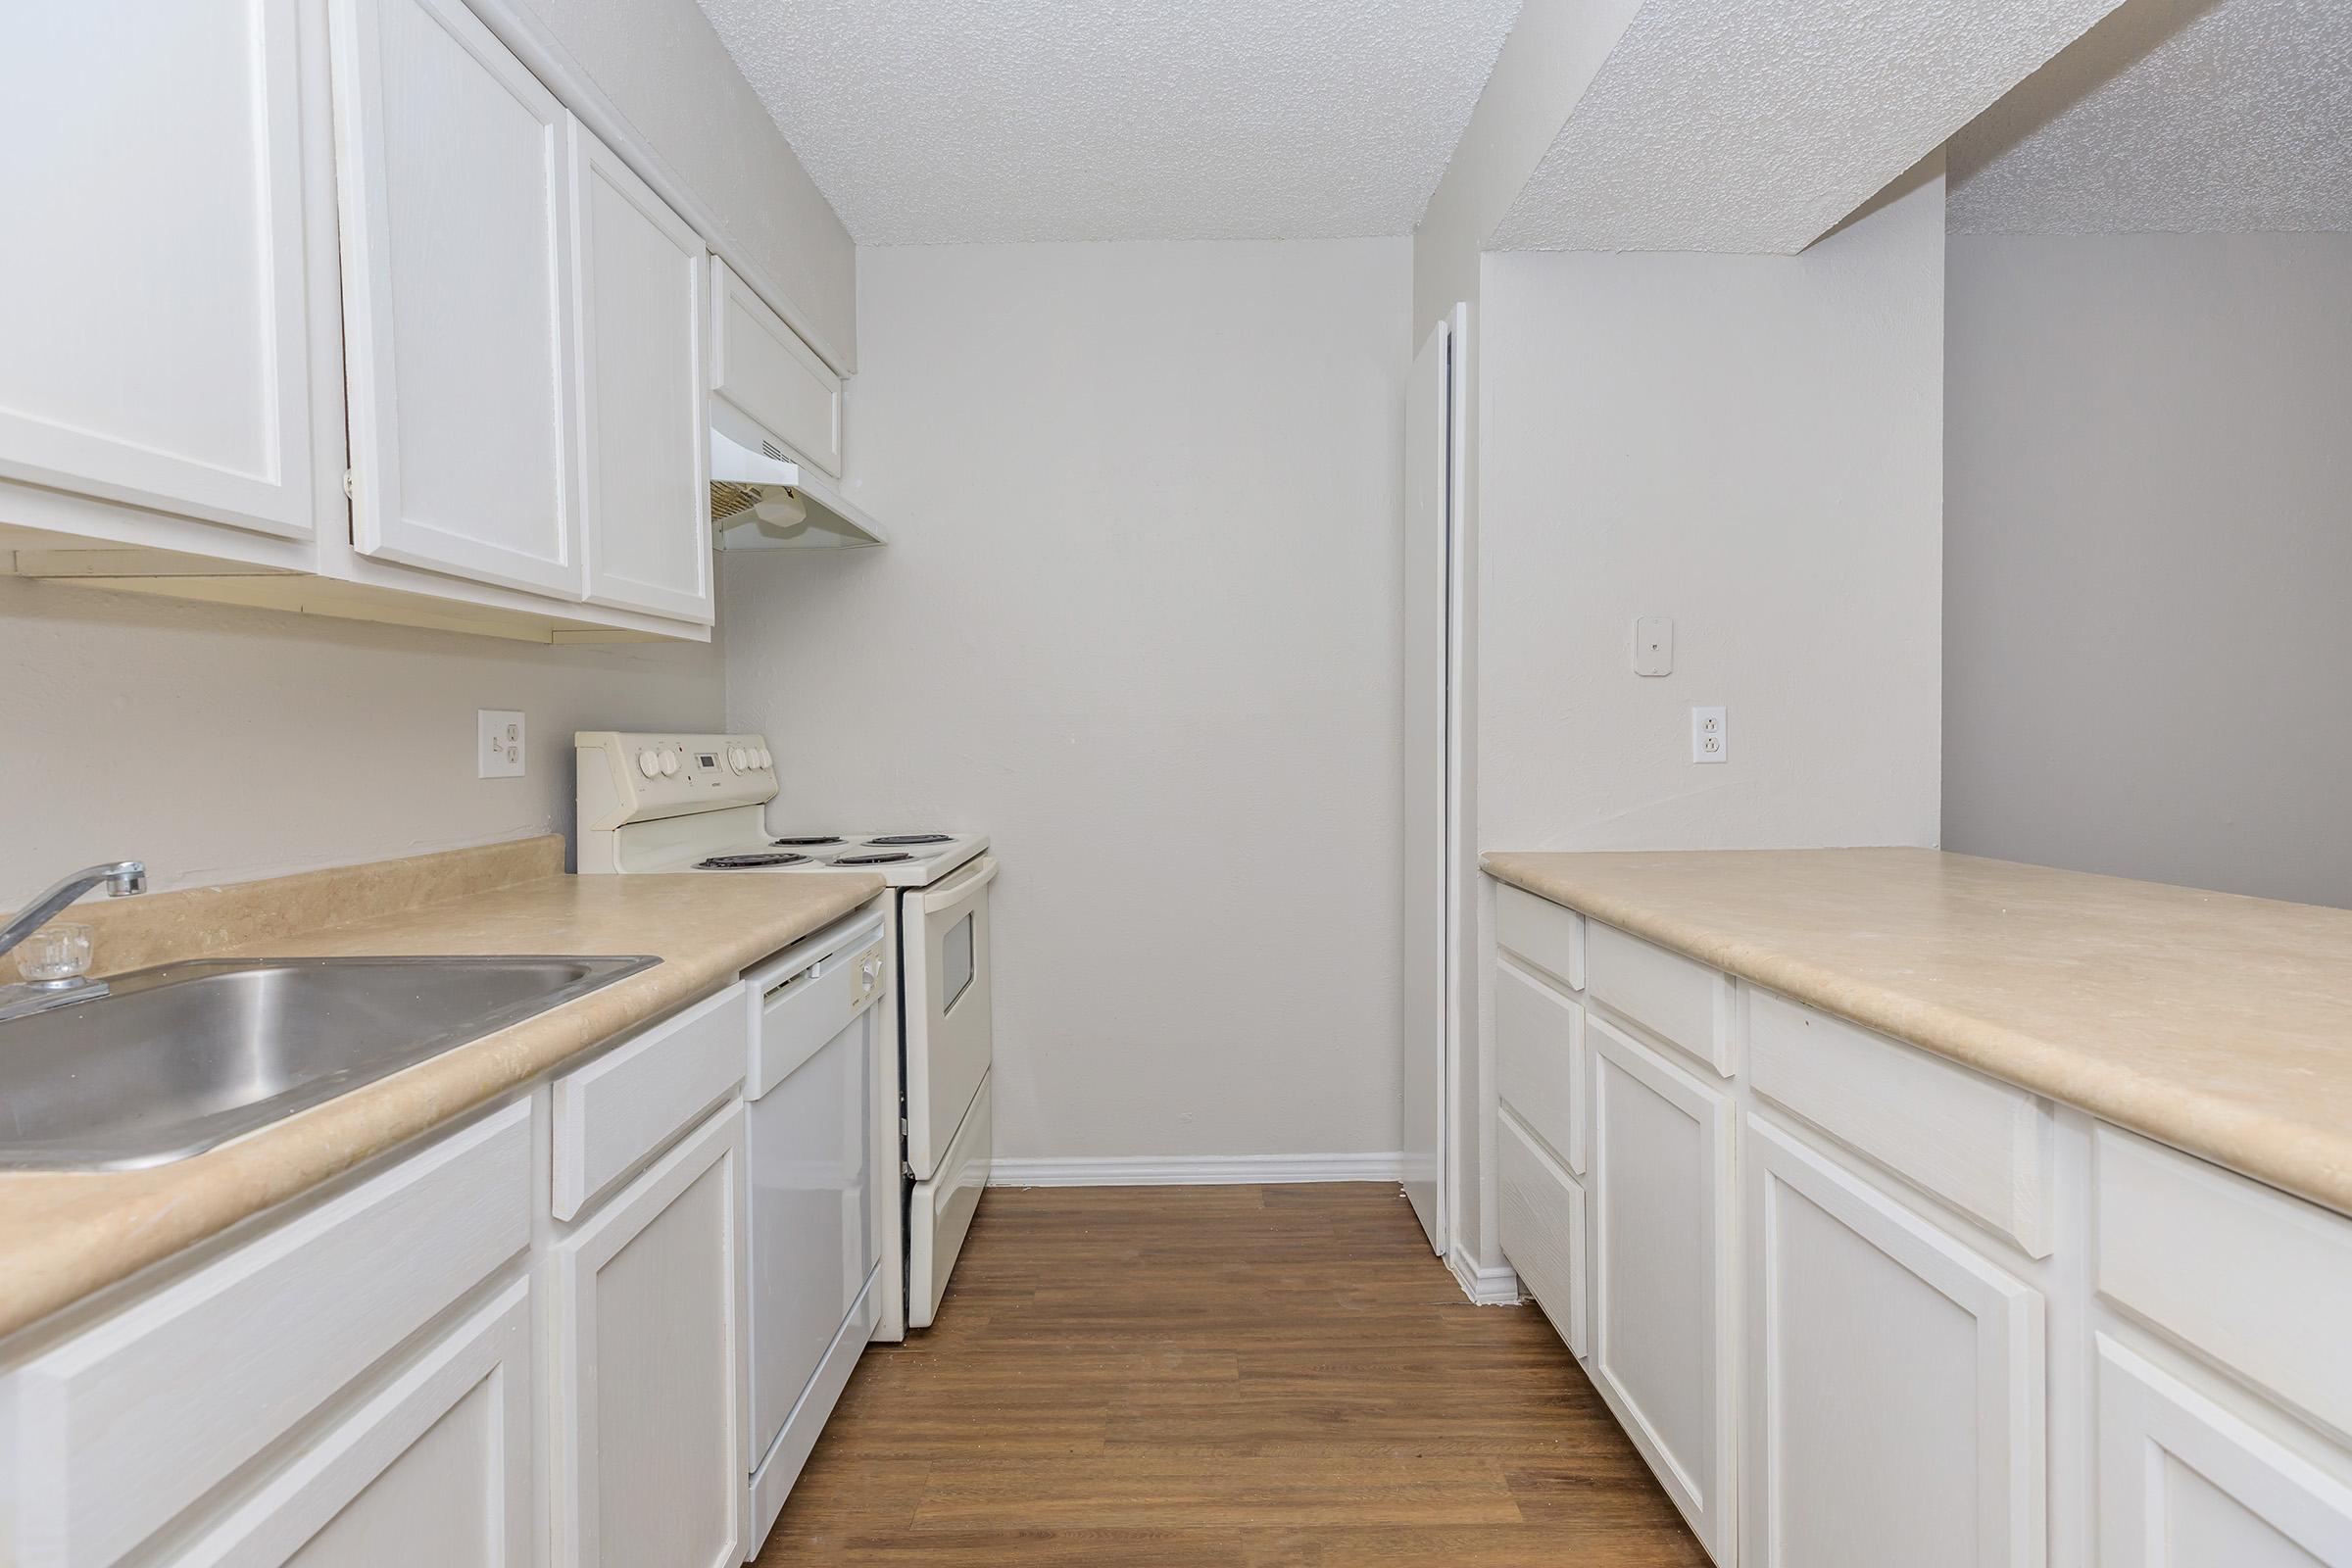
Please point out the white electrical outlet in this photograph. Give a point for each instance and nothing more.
(1709, 741)
(498, 748)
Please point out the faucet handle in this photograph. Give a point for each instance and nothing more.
(56, 954)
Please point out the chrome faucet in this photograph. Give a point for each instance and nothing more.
(122, 878)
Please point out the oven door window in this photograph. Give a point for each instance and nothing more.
(955, 963)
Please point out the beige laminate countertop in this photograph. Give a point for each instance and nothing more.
(65, 1236)
(2219, 1024)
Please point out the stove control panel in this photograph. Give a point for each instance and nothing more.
(629, 776)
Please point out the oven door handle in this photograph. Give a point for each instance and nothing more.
(960, 887)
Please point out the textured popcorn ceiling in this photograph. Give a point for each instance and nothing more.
(944, 120)
(1757, 126)
(2173, 116)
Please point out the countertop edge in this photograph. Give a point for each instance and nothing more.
(242, 1180)
(2185, 1119)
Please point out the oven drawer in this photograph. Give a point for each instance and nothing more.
(945, 1003)
(940, 1211)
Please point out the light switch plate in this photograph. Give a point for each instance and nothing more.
(498, 748)
(1654, 644)
(1710, 741)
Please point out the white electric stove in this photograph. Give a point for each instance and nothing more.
(676, 802)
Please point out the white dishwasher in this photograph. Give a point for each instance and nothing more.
(815, 1229)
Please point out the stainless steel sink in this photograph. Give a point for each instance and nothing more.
(175, 1059)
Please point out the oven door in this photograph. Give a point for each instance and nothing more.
(944, 1002)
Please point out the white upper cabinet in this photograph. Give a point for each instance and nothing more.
(639, 273)
(454, 188)
(759, 365)
(154, 324)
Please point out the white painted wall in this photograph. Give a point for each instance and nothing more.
(1140, 621)
(2147, 555)
(662, 66)
(219, 743)
(1751, 445)
(1553, 54)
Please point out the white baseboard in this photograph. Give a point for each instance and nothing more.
(1196, 1170)
(1496, 1285)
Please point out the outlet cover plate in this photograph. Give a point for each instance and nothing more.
(1710, 741)
(498, 744)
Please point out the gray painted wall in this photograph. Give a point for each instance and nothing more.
(2148, 547)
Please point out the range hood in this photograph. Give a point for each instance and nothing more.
(762, 500)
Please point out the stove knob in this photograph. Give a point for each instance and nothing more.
(648, 763)
(765, 760)
(669, 762)
(736, 758)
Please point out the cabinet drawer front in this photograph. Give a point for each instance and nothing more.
(120, 1427)
(435, 1467)
(1540, 1060)
(1973, 1142)
(2247, 1276)
(1541, 934)
(1895, 1410)
(2185, 1480)
(759, 365)
(1676, 998)
(1541, 1214)
(616, 1112)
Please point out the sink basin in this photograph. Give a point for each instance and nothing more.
(173, 1059)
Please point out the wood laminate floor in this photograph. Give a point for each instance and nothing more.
(1264, 1376)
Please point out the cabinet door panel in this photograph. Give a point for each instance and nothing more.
(2186, 1482)
(152, 299)
(1661, 1215)
(759, 365)
(456, 209)
(435, 1467)
(1895, 1409)
(650, 1469)
(643, 413)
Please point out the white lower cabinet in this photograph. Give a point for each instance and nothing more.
(1893, 1401)
(1943, 1323)
(1662, 1310)
(647, 1365)
(2184, 1482)
(435, 1468)
(112, 1434)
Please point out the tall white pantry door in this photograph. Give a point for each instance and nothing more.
(1430, 482)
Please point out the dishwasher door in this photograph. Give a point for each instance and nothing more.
(810, 1157)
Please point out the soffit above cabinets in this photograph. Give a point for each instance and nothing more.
(1756, 127)
(929, 121)
(2173, 116)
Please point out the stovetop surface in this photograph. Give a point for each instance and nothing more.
(903, 860)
